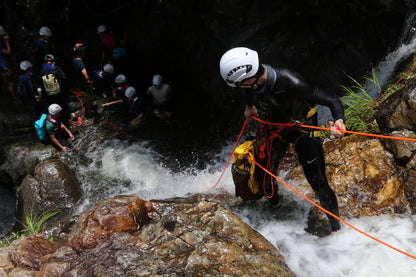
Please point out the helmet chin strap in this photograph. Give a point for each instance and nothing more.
(258, 75)
(255, 85)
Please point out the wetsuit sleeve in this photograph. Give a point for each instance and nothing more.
(294, 82)
(333, 103)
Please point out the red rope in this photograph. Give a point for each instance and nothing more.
(378, 99)
(232, 151)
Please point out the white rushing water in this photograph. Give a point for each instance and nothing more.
(119, 167)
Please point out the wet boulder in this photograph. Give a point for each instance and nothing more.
(17, 122)
(24, 256)
(363, 175)
(20, 157)
(397, 117)
(53, 187)
(127, 236)
(398, 112)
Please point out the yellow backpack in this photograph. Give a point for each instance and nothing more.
(243, 171)
(51, 84)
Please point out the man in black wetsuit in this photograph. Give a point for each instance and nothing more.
(288, 98)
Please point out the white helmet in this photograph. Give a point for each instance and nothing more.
(45, 31)
(25, 65)
(157, 79)
(54, 109)
(130, 91)
(238, 64)
(2, 31)
(120, 79)
(109, 68)
(49, 57)
(101, 29)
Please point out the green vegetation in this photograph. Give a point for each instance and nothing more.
(361, 108)
(34, 223)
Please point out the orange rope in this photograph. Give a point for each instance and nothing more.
(331, 214)
(232, 151)
(302, 195)
(79, 122)
(328, 129)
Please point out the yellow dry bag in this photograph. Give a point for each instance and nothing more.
(243, 169)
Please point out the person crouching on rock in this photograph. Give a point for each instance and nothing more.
(54, 127)
(135, 105)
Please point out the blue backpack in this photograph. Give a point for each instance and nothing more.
(40, 127)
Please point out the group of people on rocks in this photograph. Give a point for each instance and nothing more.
(42, 83)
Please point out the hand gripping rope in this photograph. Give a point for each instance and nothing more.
(302, 195)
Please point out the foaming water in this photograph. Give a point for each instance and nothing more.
(344, 253)
(120, 167)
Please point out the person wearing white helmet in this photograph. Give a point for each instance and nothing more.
(121, 86)
(108, 43)
(29, 89)
(134, 103)
(161, 95)
(5, 60)
(50, 67)
(40, 47)
(53, 77)
(136, 107)
(45, 32)
(287, 98)
(103, 80)
(54, 127)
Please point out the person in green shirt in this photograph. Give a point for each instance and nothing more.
(54, 127)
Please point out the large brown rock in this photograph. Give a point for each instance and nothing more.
(127, 236)
(363, 175)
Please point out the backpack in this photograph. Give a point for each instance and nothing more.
(40, 127)
(243, 172)
(51, 84)
(119, 52)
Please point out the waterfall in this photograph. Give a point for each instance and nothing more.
(386, 68)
